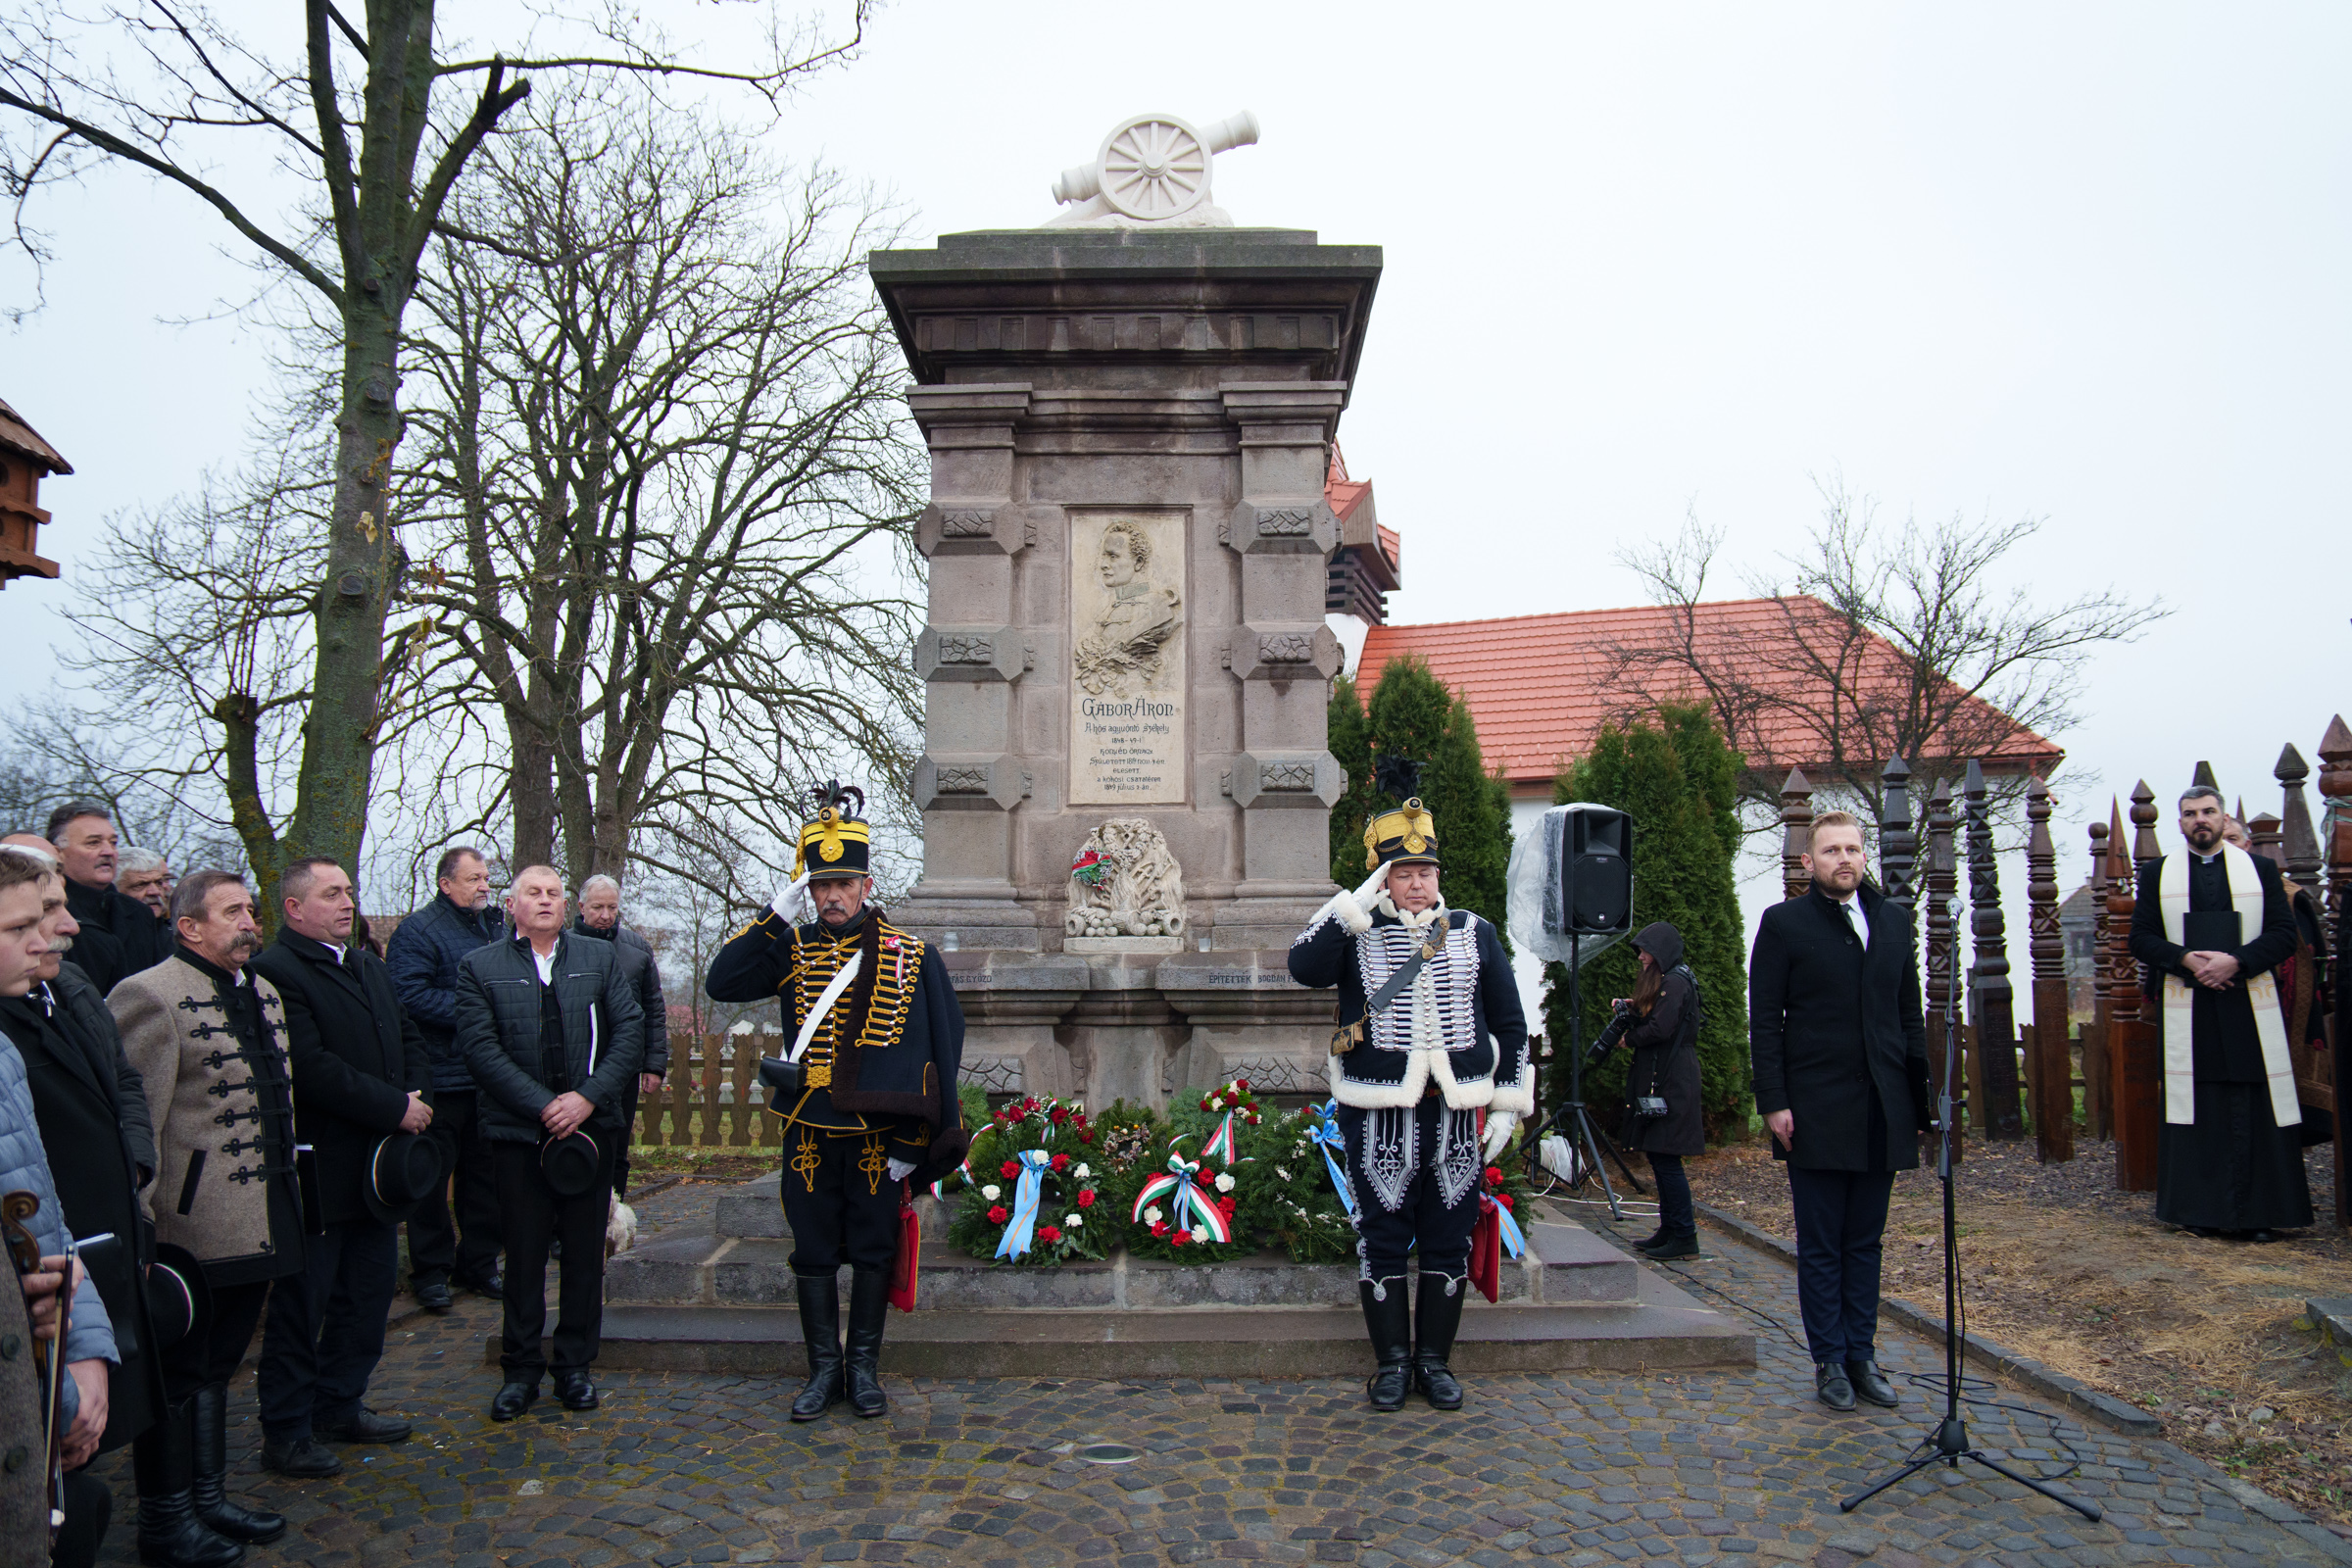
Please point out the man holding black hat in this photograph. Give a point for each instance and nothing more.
(1434, 1037)
(868, 1093)
(552, 1030)
(362, 1085)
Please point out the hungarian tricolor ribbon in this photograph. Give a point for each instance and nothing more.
(1513, 1240)
(1221, 1145)
(1324, 1133)
(964, 1170)
(1025, 1196)
(1184, 1194)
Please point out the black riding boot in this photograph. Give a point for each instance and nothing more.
(1436, 1316)
(821, 1328)
(870, 1301)
(1386, 1317)
(171, 1536)
(208, 1445)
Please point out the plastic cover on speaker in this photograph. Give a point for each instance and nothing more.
(1534, 901)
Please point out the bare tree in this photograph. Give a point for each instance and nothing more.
(1878, 642)
(665, 487)
(361, 117)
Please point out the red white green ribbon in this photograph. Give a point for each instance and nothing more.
(1221, 1145)
(1184, 1196)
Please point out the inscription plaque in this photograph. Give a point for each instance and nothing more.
(1127, 674)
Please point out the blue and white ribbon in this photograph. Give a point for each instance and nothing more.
(1324, 1133)
(1025, 1196)
(1514, 1241)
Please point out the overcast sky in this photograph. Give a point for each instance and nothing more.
(2087, 262)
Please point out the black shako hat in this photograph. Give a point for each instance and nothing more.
(1407, 835)
(837, 842)
(402, 1170)
(179, 1299)
(570, 1163)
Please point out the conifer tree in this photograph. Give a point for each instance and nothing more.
(1673, 773)
(1413, 715)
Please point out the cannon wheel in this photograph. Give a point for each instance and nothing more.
(1154, 166)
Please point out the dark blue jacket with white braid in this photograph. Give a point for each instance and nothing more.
(1458, 1024)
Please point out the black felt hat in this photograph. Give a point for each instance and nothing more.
(402, 1171)
(179, 1299)
(570, 1163)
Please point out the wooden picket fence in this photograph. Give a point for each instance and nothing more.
(710, 1099)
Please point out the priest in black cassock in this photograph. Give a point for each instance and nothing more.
(2211, 925)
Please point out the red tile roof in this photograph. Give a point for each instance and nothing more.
(1540, 686)
(22, 439)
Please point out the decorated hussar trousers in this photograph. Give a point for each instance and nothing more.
(1415, 1171)
(838, 1200)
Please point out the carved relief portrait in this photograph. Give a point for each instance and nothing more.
(1128, 609)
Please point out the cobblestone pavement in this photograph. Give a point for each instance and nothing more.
(1708, 1467)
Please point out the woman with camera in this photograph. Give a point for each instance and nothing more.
(1661, 1022)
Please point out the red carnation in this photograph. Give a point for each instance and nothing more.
(1061, 1163)
(1494, 1175)
(1159, 1227)
(1504, 1198)
(1010, 1168)
(1085, 1197)
(1048, 1234)
(1179, 1238)
(1253, 1118)
(1061, 1115)
(1086, 1138)
(1240, 1082)
(998, 1214)
(1232, 1098)
(1207, 1103)
(1226, 1204)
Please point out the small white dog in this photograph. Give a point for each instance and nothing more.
(621, 1229)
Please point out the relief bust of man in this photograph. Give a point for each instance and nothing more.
(1133, 618)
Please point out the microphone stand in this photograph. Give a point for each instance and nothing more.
(1950, 1442)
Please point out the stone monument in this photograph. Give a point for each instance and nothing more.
(1129, 412)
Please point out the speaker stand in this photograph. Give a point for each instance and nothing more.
(1571, 1118)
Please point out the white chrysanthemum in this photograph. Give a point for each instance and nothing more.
(1083, 1173)
(1072, 1221)
(991, 1192)
(1282, 1173)
(1224, 1180)
(1200, 1236)
(1153, 1215)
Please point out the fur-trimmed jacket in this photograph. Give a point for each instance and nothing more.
(211, 1050)
(1458, 1024)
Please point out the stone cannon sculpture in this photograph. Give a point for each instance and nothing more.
(1151, 169)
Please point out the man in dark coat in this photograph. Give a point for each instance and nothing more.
(120, 935)
(878, 1039)
(600, 917)
(92, 1113)
(2211, 927)
(423, 959)
(360, 1075)
(1840, 1050)
(552, 1031)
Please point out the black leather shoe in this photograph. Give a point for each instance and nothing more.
(1673, 1248)
(576, 1390)
(491, 1287)
(365, 1426)
(513, 1400)
(1831, 1386)
(305, 1458)
(171, 1536)
(1388, 1319)
(820, 1332)
(1870, 1384)
(1650, 1241)
(433, 1294)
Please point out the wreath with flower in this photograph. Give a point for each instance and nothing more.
(1185, 1210)
(1033, 1199)
(1091, 868)
(1294, 1202)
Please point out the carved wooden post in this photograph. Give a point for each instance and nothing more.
(2053, 1059)
(2136, 1047)
(1942, 878)
(1796, 834)
(2335, 790)
(1898, 845)
(2268, 837)
(2300, 857)
(2098, 1113)
(1992, 1000)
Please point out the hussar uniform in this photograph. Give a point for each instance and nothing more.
(874, 1106)
(1440, 1052)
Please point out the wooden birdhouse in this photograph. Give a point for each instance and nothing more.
(25, 460)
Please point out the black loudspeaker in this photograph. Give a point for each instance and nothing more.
(1597, 871)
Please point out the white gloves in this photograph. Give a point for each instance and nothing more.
(1501, 1125)
(1354, 910)
(794, 905)
(900, 1171)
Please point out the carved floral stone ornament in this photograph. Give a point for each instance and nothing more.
(1151, 171)
(1125, 883)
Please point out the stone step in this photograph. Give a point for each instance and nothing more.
(1660, 1330)
(1567, 1266)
